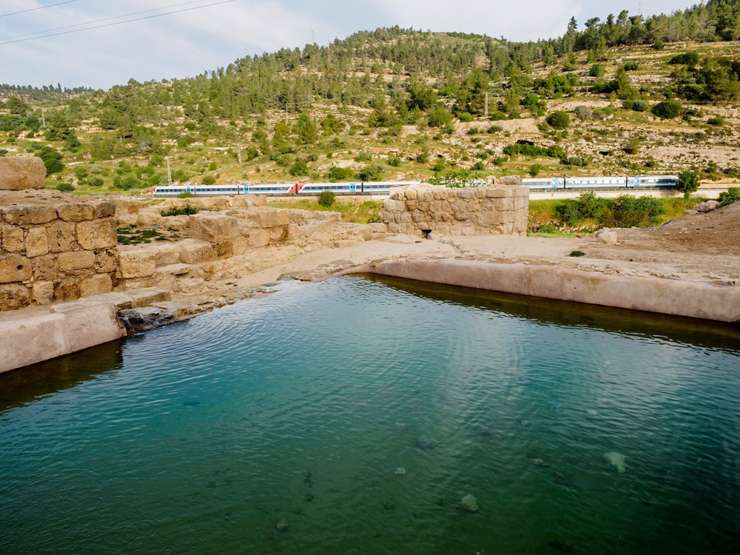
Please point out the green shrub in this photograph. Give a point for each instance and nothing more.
(729, 197)
(465, 117)
(559, 120)
(340, 174)
(632, 146)
(186, 210)
(635, 105)
(209, 180)
(534, 151)
(716, 121)
(65, 187)
(688, 182)
(327, 199)
(597, 70)
(535, 170)
(95, 181)
(371, 172)
(299, 168)
(687, 58)
(394, 161)
(667, 109)
(627, 211)
(631, 66)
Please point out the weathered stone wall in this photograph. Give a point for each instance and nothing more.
(497, 209)
(54, 247)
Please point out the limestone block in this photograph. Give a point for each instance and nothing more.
(273, 218)
(13, 297)
(214, 228)
(37, 242)
(259, 238)
(239, 245)
(45, 268)
(14, 267)
(106, 261)
(137, 263)
(21, 172)
(61, 236)
(76, 212)
(76, 260)
(12, 238)
(104, 209)
(410, 194)
(29, 214)
(167, 253)
(193, 251)
(42, 292)
(67, 289)
(149, 218)
(96, 285)
(97, 234)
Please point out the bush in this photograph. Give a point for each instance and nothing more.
(633, 146)
(465, 117)
(635, 105)
(597, 70)
(394, 161)
(687, 58)
(340, 174)
(209, 180)
(688, 182)
(186, 210)
(534, 151)
(52, 159)
(559, 120)
(371, 172)
(535, 170)
(327, 199)
(65, 187)
(729, 197)
(668, 109)
(716, 121)
(629, 211)
(631, 66)
(95, 181)
(299, 168)
(126, 181)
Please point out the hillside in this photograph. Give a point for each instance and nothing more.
(624, 96)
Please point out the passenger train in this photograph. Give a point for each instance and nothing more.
(282, 189)
(385, 187)
(589, 183)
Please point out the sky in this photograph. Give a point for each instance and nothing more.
(217, 32)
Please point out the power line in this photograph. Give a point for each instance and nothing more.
(114, 23)
(37, 8)
(106, 19)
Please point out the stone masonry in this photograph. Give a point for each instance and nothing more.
(54, 247)
(502, 208)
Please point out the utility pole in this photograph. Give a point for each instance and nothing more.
(169, 170)
(239, 153)
(486, 109)
(43, 117)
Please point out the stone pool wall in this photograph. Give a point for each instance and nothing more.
(502, 208)
(54, 247)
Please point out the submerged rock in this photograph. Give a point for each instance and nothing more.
(282, 525)
(617, 460)
(426, 444)
(469, 504)
(400, 471)
(139, 320)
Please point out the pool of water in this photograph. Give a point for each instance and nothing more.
(352, 416)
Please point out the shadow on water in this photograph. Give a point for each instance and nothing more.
(701, 333)
(32, 382)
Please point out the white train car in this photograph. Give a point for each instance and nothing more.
(601, 182)
(656, 181)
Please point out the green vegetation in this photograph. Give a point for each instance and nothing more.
(688, 182)
(559, 120)
(729, 197)
(327, 199)
(589, 213)
(668, 109)
(186, 210)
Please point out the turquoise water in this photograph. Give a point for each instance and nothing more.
(352, 416)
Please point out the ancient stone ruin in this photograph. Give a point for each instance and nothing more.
(501, 208)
